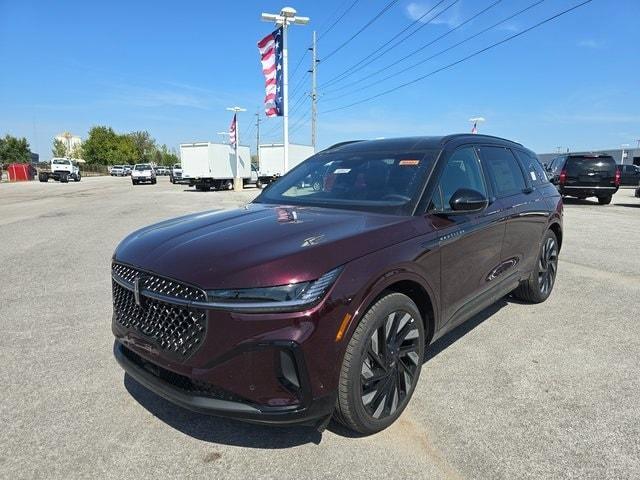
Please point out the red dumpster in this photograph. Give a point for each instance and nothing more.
(18, 172)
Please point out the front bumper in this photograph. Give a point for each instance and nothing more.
(178, 390)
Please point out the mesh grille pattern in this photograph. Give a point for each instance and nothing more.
(195, 387)
(173, 328)
(159, 285)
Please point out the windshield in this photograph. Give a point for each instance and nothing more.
(177, 165)
(61, 162)
(380, 182)
(143, 167)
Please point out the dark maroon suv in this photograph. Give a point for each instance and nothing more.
(319, 298)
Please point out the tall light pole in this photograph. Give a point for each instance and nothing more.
(237, 180)
(286, 17)
(624, 154)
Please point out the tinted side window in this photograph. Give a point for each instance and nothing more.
(532, 166)
(504, 170)
(461, 171)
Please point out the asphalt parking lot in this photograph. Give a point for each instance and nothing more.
(545, 391)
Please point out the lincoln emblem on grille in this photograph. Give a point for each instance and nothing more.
(136, 290)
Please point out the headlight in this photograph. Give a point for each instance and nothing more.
(293, 296)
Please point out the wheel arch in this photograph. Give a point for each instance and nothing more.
(408, 283)
(557, 230)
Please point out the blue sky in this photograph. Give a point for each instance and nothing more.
(172, 67)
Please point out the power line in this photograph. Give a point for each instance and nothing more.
(338, 77)
(299, 63)
(464, 59)
(362, 29)
(353, 4)
(414, 52)
(414, 65)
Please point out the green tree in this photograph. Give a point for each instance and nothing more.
(144, 144)
(59, 148)
(101, 145)
(14, 149)
(77, 151)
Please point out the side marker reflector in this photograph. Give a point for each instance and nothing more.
(343, 327)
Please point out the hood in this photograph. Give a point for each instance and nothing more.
(260, 245)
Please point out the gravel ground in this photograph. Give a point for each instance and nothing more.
(543, 391)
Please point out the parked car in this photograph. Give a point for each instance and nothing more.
(583, 176)
(143, 172)
(333, 295)
(175, 173)
(161, 170)
(629, 175)
(127, 169)
(117, 171)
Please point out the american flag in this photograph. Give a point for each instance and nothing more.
(474, 129)
(270, 48)
(232, 131)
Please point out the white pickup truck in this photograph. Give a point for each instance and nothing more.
(59, 169)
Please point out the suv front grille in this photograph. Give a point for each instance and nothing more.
(175, 329)
(157, 284)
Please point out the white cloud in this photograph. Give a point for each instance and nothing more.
(450, 18)
(589, 43)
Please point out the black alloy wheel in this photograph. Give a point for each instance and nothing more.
(547, 266)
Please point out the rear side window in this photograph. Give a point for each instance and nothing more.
(580, 165)
(532, 166)
(504, 171)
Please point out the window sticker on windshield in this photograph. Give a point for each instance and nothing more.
(409, 162)
(338, 171)
(533, 176)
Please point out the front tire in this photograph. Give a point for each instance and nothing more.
(381, 365)
(538, 287)
(604, 200)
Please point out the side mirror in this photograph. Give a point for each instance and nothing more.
(466, 200)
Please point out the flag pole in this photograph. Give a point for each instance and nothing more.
(237, 178)
(287, 16)
(285, 88)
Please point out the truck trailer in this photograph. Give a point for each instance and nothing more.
(207, 165)
(271, 160)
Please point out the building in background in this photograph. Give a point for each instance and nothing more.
(631, 155)
(70, 140)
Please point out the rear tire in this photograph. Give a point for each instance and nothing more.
(381, 365)
(77, 178)
(604, 200)
(43, 177)
(539, 285)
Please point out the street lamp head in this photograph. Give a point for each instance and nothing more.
(288, 12)
(477, 119)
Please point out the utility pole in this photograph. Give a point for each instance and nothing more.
(286, 17)
(237, 180)
(314, 93)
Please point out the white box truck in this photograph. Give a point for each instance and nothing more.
(207, 165)
(271, 159)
